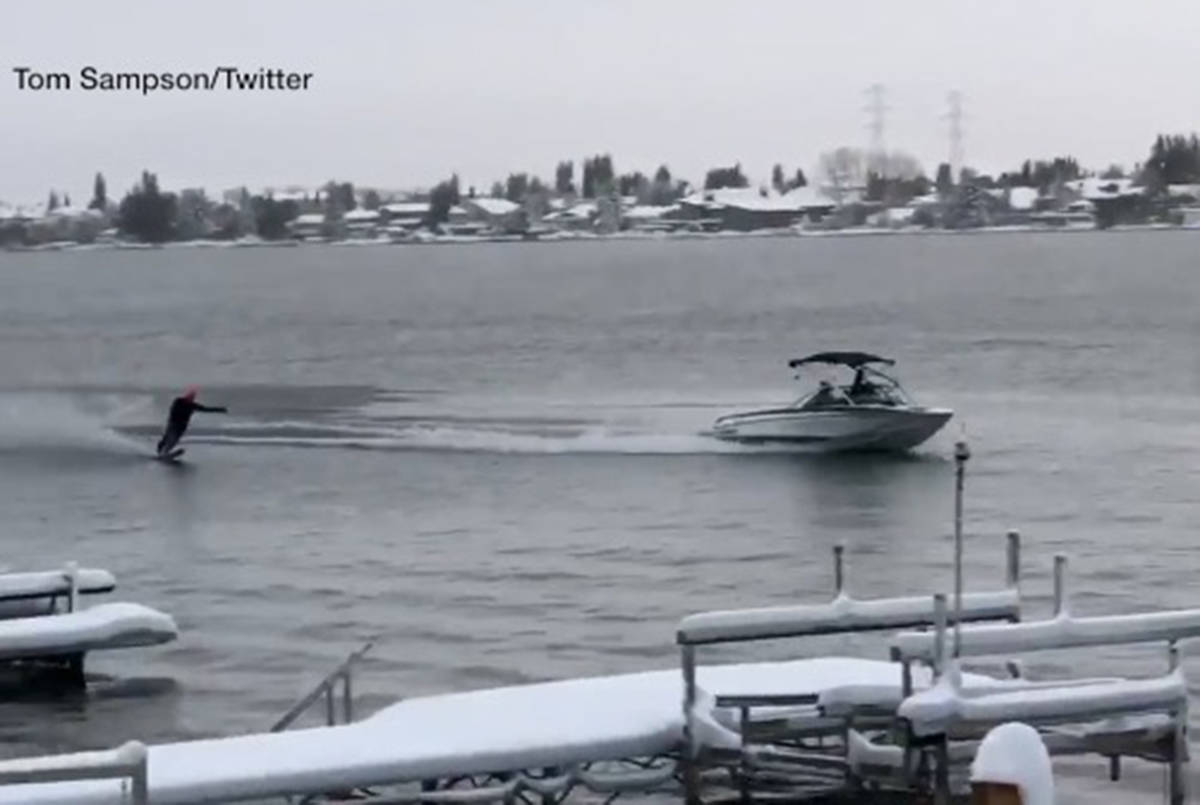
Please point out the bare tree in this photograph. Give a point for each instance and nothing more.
(843, 170)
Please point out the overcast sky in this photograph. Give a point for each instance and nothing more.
(404, 93)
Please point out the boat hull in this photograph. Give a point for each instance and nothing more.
(863, 428)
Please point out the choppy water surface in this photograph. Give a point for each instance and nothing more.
(491, 458)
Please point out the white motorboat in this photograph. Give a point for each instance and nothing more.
(871, 413)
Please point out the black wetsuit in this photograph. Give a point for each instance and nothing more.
(180, 416)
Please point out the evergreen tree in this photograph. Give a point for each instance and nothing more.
(564, 178)
(944, 181)
(99, 194)
(517, 187)
(52, 202)
(725, 177)
(443, 196)
(777, 180)
(146, 213)
(632, 184)
(589, 179)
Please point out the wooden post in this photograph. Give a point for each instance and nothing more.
(330, 715)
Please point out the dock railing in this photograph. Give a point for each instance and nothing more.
(1074, 702)
(327, 688)
(842, 615)
(129, 761)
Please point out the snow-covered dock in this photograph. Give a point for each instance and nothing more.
(41, 624)
(582, 722)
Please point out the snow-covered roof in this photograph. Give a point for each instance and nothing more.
(360, 215)
(1093, 188)
(288, 194)
(406, 208)
(1014, 753)
(747, 198)
(28, 211)
(649, 211)
(309, 219)
(494, 206)
(807, 197)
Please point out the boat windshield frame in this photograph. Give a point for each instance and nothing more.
(839, 397)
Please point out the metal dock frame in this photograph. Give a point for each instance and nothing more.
(837, 617)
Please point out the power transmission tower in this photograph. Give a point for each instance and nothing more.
(877, 110)
(955, 118)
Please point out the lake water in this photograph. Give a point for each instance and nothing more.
(490, 458)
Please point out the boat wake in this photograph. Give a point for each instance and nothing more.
(462, 438)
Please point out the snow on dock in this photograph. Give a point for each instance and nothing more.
(50, 583)
(33, 626)
(843, 614)
(105, 626)
(26, 594)
(577, 721)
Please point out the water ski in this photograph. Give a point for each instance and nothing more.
(170, 455)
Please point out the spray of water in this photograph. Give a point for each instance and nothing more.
(59, 423)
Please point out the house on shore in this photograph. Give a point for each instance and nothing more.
(309, 226)
(745, 209)
(650, 218)
(498, 214)
(362, 224)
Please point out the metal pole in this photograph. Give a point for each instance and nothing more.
(1013, 576)
(1179, 741)
(1060, 593)
(72, 574)
(838, 571)
(939, 634)
(691, 772)
(961, 454)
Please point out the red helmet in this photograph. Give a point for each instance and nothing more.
(190, 394)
